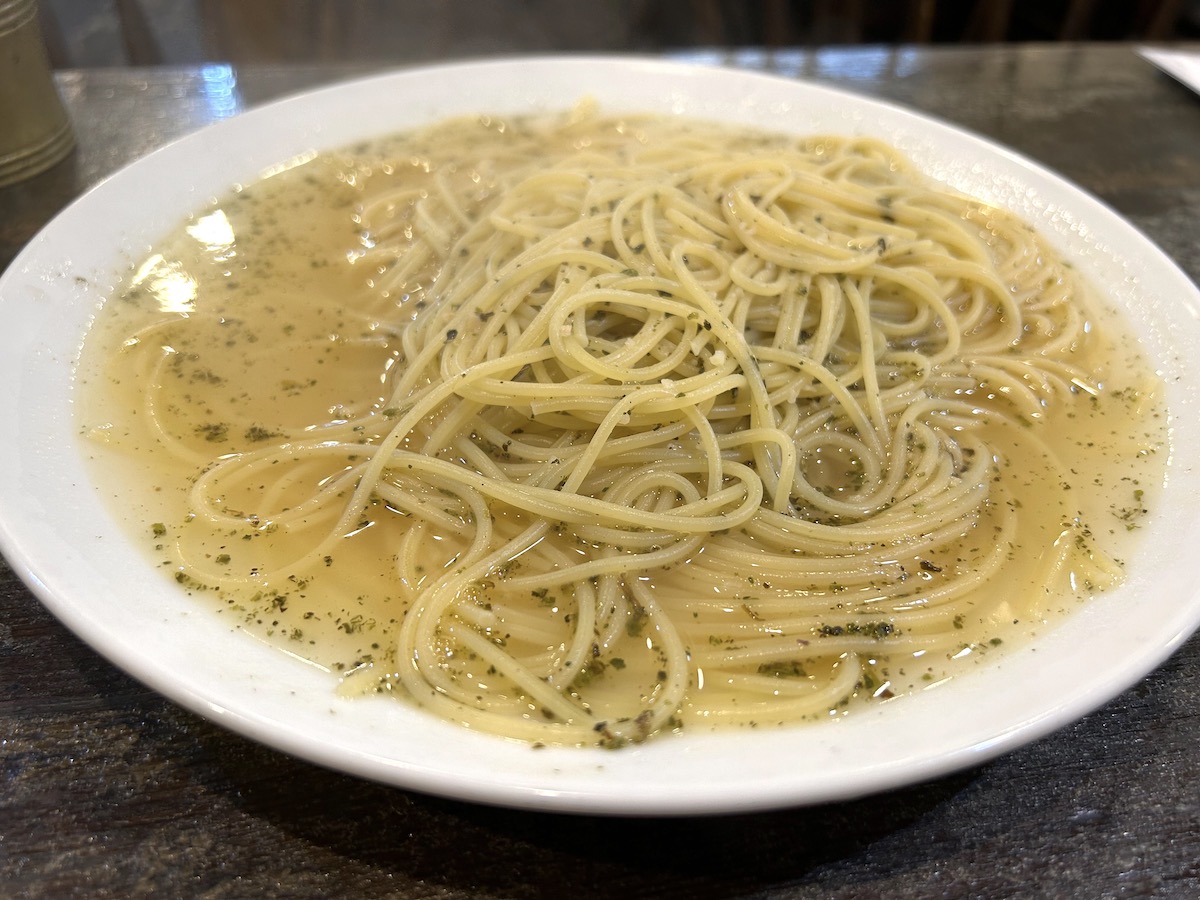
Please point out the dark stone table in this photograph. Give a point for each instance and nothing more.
(109, 790)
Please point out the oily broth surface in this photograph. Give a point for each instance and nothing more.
(274, 320)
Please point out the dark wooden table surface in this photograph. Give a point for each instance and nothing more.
(110, 791)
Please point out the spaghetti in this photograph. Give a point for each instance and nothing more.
(649, 422)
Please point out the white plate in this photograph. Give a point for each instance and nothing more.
(66, 543)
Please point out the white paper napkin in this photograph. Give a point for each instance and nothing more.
(1181, 64)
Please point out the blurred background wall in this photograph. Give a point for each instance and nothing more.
(166, 32)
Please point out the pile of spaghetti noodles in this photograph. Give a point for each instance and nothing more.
(687, 425)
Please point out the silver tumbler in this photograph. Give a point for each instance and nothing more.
(34, 130)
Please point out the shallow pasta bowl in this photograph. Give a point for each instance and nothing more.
(72, 550)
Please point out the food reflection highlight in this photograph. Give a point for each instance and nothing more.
(587, 429)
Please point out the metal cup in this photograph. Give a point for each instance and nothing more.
(34, 130)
